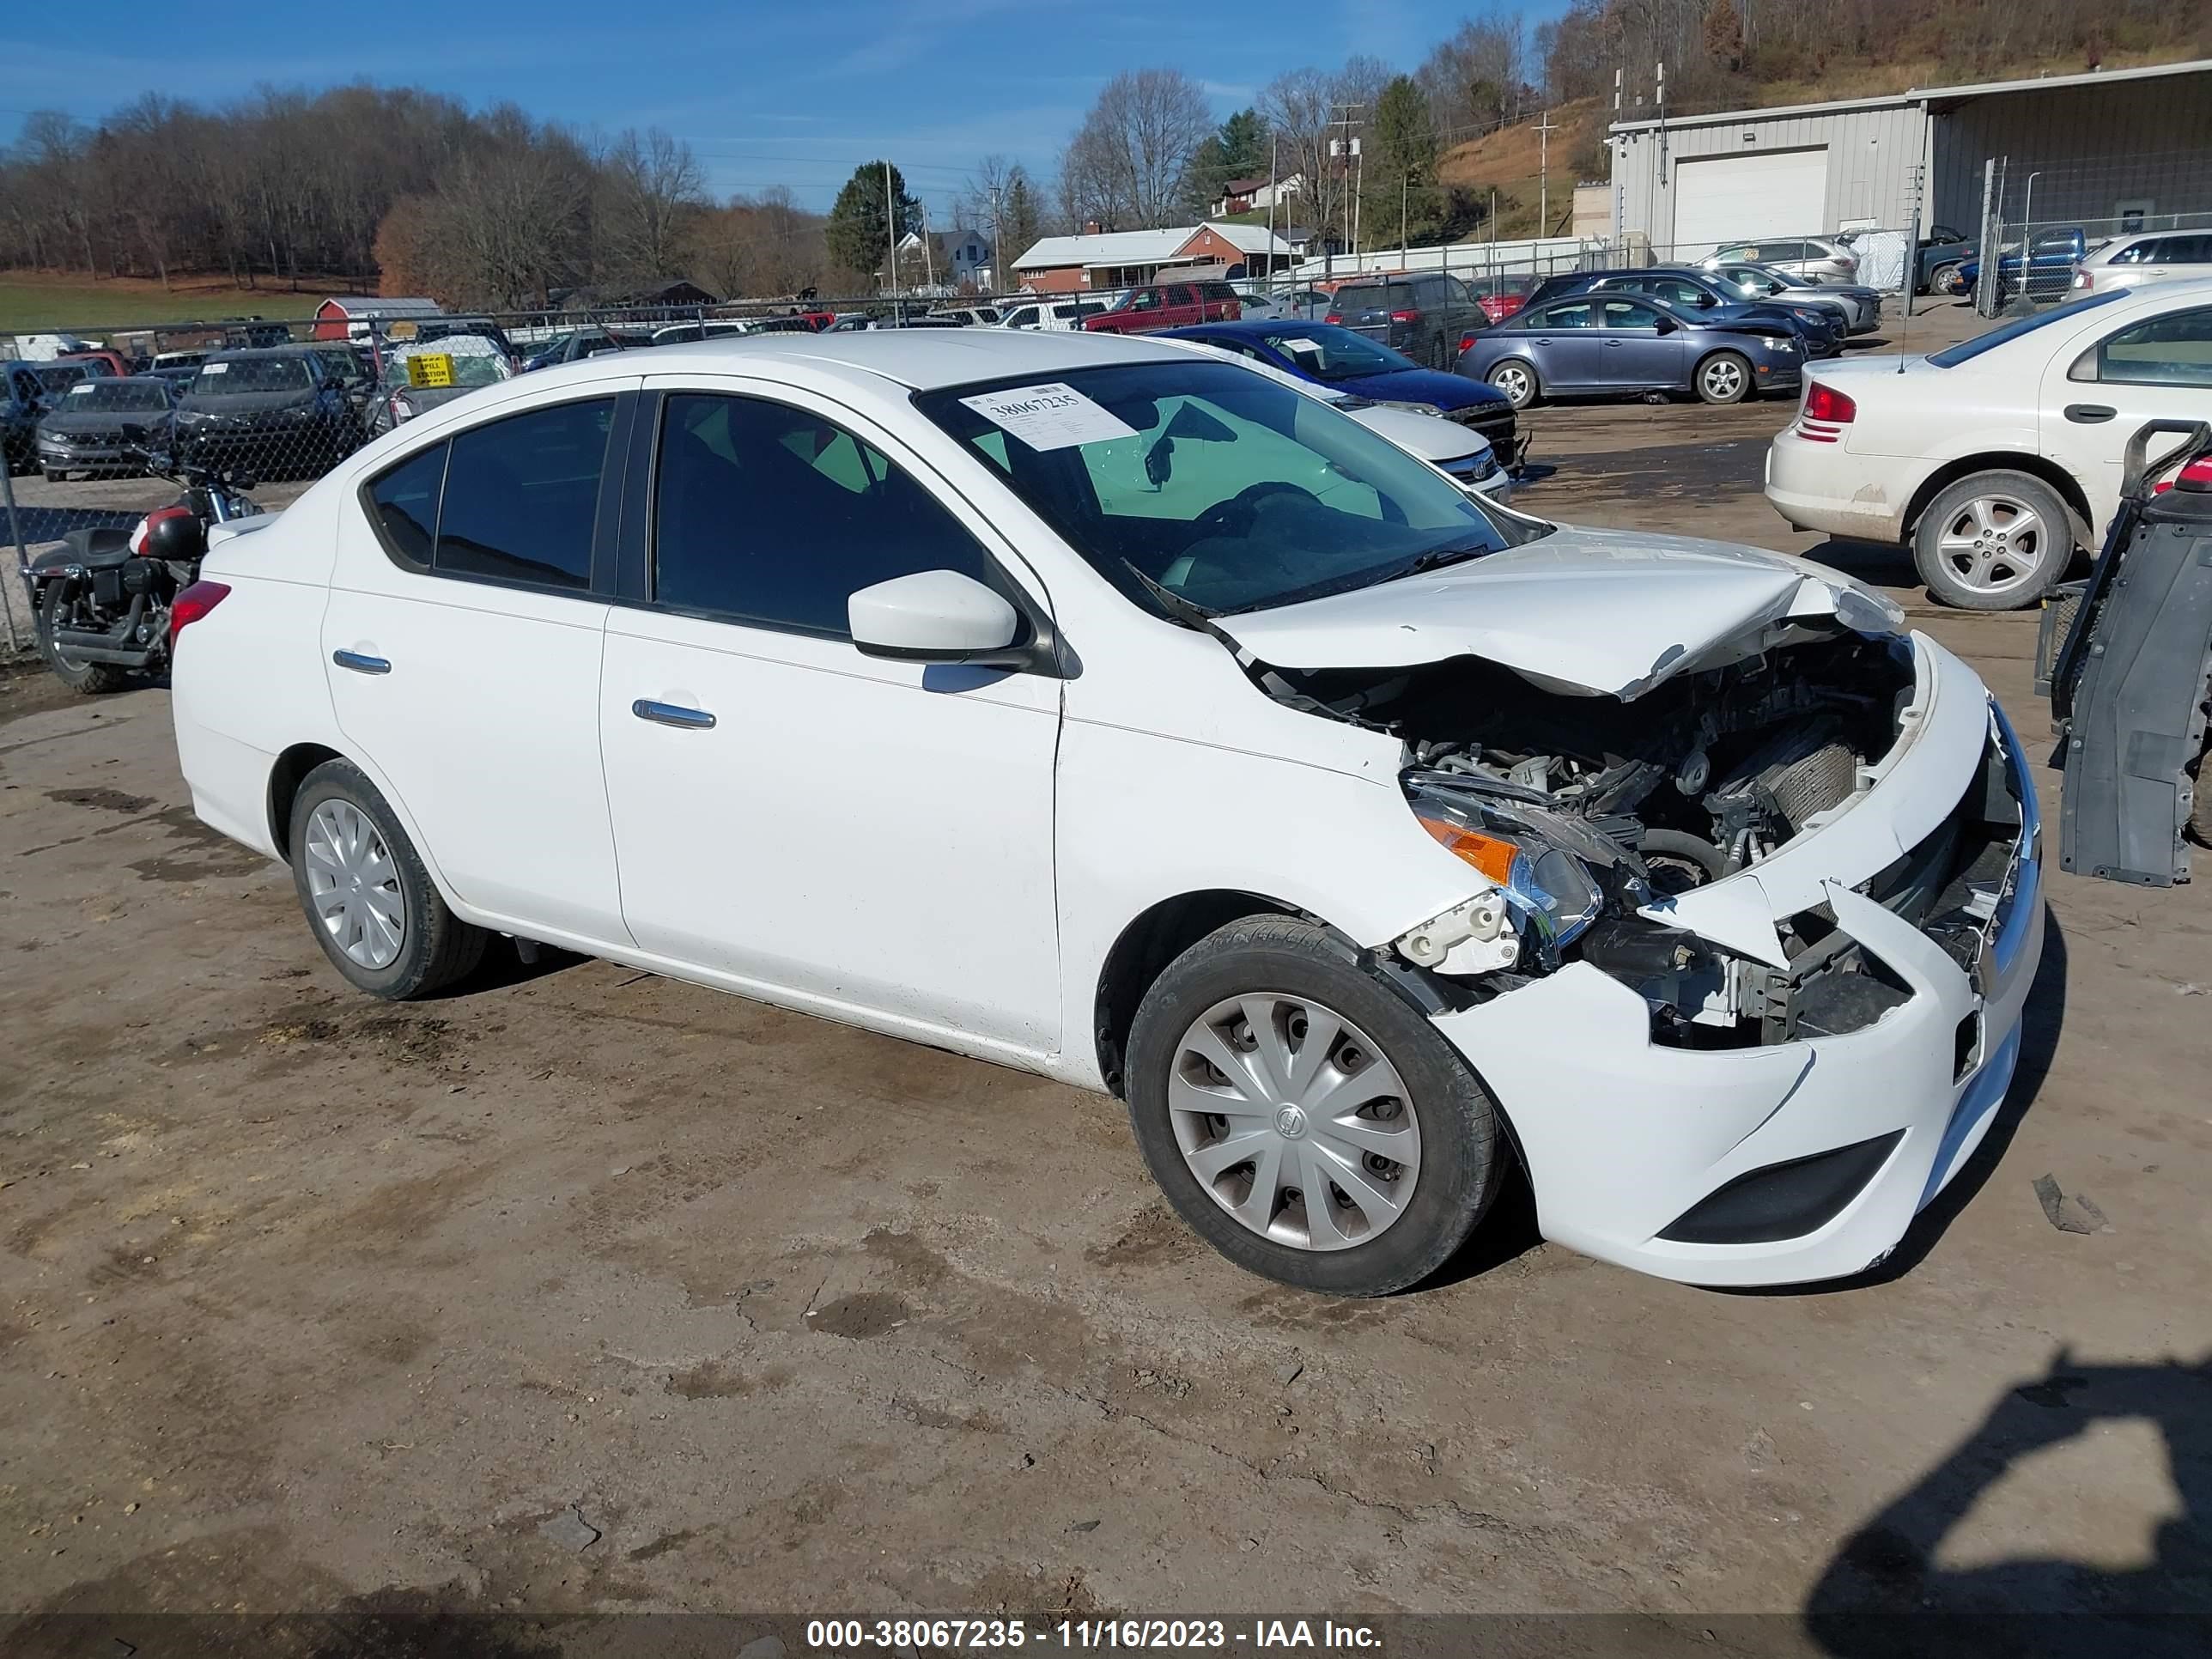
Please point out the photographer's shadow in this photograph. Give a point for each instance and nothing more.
(1884, 1596)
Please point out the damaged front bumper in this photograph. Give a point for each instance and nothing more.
(1797, 1160)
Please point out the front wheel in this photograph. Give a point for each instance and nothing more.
(87, 679)
(1993, 540)
(1303, 1117)
(371, 904)
(1724, 378)
(1518, 380)
(1944, 279)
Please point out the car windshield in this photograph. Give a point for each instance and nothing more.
(104, 395)
(477, 368)
(1330, 353)
(1967, 351)
(1201, 485)
(229, 376)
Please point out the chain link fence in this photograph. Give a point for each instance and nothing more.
(2050, 233)
(94, 416)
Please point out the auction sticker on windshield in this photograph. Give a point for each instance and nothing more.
(1052, 415)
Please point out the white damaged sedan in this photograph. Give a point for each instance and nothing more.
(1083, 705)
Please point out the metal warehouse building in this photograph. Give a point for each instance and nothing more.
(2111, 151)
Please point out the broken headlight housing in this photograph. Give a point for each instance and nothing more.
(1540, 860)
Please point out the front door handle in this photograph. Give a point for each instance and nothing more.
(669, 713)
(2089, 414)
(360, 664)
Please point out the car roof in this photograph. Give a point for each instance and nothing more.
(922, 359)
(296, 349)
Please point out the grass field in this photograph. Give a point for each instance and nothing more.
(43, 302)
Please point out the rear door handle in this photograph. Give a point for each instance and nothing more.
(2089, 414)
(669, 713)
(360, 664)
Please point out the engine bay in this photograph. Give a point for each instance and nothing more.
(1585, 810)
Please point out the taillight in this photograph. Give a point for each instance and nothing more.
(1824, 403)
(195, 602)
(1333, 317)
(2083, 280)
(1404, 316)
(2195, 478)
(1465, 341)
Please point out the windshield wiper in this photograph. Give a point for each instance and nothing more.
(1178, 608)
(1437, 557)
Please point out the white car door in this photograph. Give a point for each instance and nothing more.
(2102, 387)
(461, 641)
(868, 837)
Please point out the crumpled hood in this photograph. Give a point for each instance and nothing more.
(1597, 612)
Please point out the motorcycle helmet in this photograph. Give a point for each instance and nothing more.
(171, 533)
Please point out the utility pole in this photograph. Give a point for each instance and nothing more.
(890, 230)
(1275, 145)
(1340, 151)
(1544, 132)
(998, 244)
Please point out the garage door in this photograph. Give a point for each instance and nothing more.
(1735, 198)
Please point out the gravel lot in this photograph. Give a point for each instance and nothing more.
(585, 1289)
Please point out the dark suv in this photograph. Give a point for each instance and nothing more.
(1169, 305)
(1428, 316)
(280, 411)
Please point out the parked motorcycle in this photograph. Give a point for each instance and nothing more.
(102, 603)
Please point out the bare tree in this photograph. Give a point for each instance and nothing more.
(651, 191)
(1126, 165)
(1475, 78)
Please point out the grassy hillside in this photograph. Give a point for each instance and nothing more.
(1510, 161)
(43, 302)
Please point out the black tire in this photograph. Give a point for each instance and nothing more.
(436, 946)
(1462, 1155)
(1951, 587)
(87, 679)
(1944, 277)
(1724, 378)
(1520, 385)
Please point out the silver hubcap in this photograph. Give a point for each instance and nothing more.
(1994, 543)
(354, 884)
(1293, 1121)
(1723, 380)
(1513, 382)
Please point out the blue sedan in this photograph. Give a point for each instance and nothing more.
(1594, 344)
(1349, 362)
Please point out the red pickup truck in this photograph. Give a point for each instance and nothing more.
(1168, 305)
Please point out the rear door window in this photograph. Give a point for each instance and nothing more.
(1572, 313)
(2172, 350)
(403, 505)
(522, 494)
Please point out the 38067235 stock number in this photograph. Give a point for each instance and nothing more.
(834, 1635)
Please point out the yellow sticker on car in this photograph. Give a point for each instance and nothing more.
(430, 369)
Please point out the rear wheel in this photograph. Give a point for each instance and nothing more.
(369, 899)
(90, 679)
(1944, 279)
(1303, 1117)
(1517, 379)
(1724, 378)
(1993, 540)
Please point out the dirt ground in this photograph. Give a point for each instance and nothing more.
(585, 1289)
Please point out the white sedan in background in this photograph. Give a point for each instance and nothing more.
(1087, 705)
(1997, 457)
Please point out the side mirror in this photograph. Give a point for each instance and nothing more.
(1664, 326)
(934, 616)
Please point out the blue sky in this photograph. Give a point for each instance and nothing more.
(789, 93)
